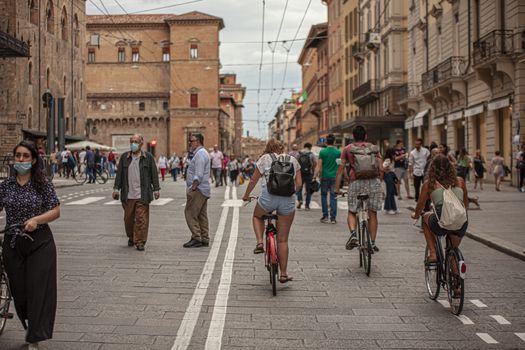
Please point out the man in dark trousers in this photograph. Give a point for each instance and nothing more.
(138, 182)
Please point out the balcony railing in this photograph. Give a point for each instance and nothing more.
(12, 47)
(409, 91)
(366, 92)
(357, 50)
(453, 67)
(495, 44)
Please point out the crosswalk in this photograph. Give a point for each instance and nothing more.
(104, 201)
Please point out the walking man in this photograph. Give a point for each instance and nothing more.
(400, 169)
(216, 165)
(416, 163)
(307, 162)
(327, 171)
(90, 165)
(197, 193)
(138, 182)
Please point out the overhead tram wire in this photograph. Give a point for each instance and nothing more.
(261, 63)
(288, 53)
(164, 7)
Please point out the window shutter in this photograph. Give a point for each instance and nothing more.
(91, 50)
(165, 50)
(135, 50)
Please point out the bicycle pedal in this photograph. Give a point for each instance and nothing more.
(8, 315)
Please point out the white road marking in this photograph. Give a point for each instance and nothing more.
(464, 319)
(521, 336)
(161, 201)
(235, 203)
(500, 319)
(117, 202)
(218, 319)
(183, 204)
(478, 303)
(86, 200)
(191, 316)
(314, 205)
(343, 205)
(487, 338)
(445, 303)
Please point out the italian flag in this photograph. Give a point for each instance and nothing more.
(302, 99)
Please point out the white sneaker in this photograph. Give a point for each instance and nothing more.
(392, 212)
(33, 346)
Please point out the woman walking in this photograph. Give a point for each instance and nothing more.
(464, 164)
(520, 165)
(268, 203)
(163, 165)
(390, 182)
(233, 167)
(498, 169)
(29, 199)
(479, 170)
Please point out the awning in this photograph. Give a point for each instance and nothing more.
(43, 135)
(455, 116)
(409, 123)
(419, 119)
(93, 145)
(438, 121)
(500, 103)
(474, 110)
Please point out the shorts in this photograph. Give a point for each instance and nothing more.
(433, 223)
(372, 187)
(271, 203)
(401, 173)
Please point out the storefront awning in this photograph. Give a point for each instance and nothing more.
(474, 110)
(419, 119)
(455, 116)
(500, 103)
(43, 135)
(438, 121)
(409, 123)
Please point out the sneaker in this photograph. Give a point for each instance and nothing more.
(332, 221)
(299, 204)
(130, 243)
(307, 208)
(140, 247)
(324, 220)
(375, 248)
(33, 346)
(391, 212)
(352, 242)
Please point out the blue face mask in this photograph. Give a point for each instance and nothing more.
(23, 168)
(135, 147)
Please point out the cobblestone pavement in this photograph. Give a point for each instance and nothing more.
(114, 297)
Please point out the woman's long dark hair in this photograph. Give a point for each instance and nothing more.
(442, 171)
(390, 154)
(38, 178)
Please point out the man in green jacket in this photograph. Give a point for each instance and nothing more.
(138, 182)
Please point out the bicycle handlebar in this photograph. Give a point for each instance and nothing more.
(251, 197)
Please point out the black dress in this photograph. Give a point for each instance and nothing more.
(31, 265)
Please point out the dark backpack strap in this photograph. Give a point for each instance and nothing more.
(287, 158)
(274, 158)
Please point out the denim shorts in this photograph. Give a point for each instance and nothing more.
(271, 203)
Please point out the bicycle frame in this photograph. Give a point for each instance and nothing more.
(270, 233)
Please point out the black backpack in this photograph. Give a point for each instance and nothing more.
(305, 160)
(281, 180)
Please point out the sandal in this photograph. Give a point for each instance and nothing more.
(259, 249)
(429, 261)
(285, 279)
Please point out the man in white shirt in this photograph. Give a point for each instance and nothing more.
(416, 164)
(216, 165)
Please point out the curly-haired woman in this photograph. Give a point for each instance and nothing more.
(441, 175)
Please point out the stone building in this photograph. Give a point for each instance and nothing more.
(52, 32)
(466, 84)
(252, 147)
(232, 97)
(154, 74)
(350, 12)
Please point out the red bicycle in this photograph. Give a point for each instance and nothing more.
(271, 259)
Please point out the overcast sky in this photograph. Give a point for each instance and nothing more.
(243, 20)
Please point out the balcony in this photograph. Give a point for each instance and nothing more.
(492, 46)
(366, 93)
(409, 91)
(358, 51)
(451, 69)
(12, 47)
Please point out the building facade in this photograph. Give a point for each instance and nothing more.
(252, 147)
(350, 13)
(466, 85)
(52, 31)
(232, 97)
(154, 74)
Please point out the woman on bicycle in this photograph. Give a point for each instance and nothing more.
(267, 203)
(441, 174)
(29, 198)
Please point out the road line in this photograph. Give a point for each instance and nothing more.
(464, 319)
(478, 303)
(115, 202)
(343, 205)
(521, 336)
(161, 201)
(191, 316)
(500, 319)
(214, 339)
(445, 303)
(86, 200)
(314, 205)
(487, 338)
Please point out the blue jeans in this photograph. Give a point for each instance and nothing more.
(328, 185)
(174, 172)
(307, 180)
(390, 199)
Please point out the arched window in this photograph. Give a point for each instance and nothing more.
(30, 118)
(81, 90)
(33, 11)
(48, 78)
(63, 24)
(50, 17)
(30, 73)
(76, 30)
(74, 89)
(65, 85)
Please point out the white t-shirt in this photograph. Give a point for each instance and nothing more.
(418, 159)
(264, 165)
(163, 163)
(82, 156)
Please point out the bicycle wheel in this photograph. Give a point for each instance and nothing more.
(432, 277)
(274, 270)
(79, 176)
(102, 177)
(5, 301)
(455, 283)
(360, 244)
(366, 248)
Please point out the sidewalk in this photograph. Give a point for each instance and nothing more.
(61, 182)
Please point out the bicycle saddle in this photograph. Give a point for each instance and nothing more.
(362, 196)
(270, 217)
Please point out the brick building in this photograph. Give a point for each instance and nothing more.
(53, 31)
(231, 126)
(252, 147)
(154, 74)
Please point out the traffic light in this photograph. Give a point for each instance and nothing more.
(153, 143)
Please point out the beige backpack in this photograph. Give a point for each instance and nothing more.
(453, 213)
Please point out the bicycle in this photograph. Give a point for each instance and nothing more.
(101, 175)
(5, 291)
(448, 272)
(271, 259)
(363, 235)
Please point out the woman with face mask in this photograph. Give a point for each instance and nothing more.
(29, 199)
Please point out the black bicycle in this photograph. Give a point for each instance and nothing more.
(79, 174)
(448, 272)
